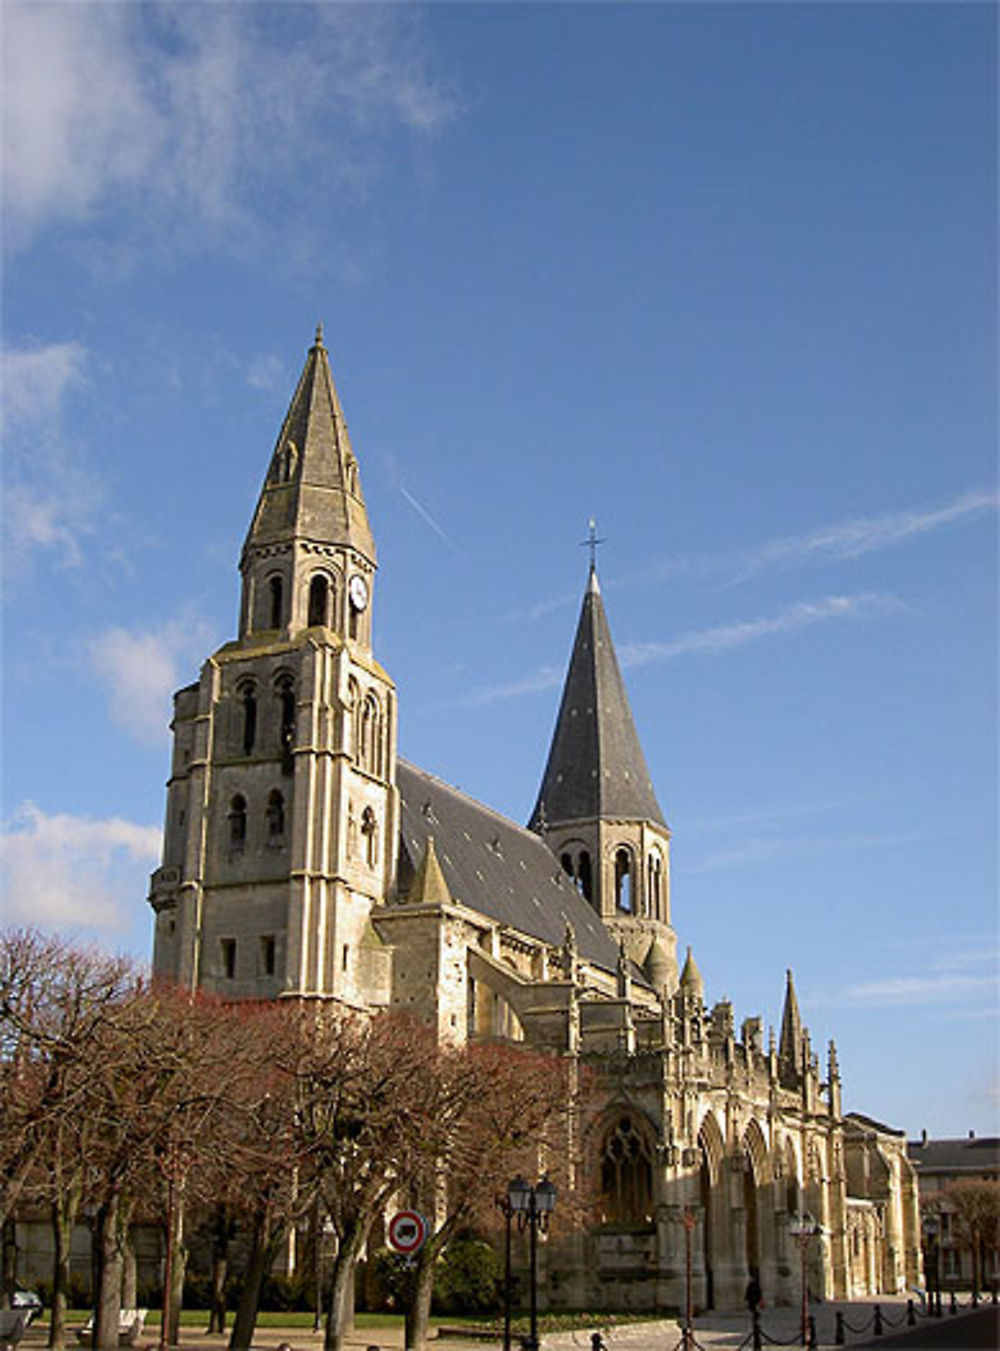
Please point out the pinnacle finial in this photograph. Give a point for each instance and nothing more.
(319, 335)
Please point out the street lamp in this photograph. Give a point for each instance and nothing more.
(688, 1216)
(802, 1230)
(532, 1205)
(931, 1267)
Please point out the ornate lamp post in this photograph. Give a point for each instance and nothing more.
(932, 1256)
(802, 1230)
(532, 1205)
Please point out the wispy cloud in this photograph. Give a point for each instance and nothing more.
(707, 642)
(724, 637)
(841, 541)
(144, 110)
(51, 496)
(142, 668)
(923, 989)
(866, 534)
(73, 871)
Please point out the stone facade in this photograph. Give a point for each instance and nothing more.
(302, 857)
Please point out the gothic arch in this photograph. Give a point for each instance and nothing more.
(755, 1148)
(626, 1148)
(626, 890)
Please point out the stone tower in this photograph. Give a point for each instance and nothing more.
(597, 808)
(282, 813)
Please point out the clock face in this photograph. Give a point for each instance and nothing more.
(358, 592)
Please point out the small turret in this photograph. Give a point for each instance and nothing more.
(692, 986)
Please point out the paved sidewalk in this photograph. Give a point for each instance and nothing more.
(712, 1332)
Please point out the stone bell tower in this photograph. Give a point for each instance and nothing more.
(597, 808)
(282, 812)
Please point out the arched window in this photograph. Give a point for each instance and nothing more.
(286, 704)
(369, 830)
(275, 591)
(275, 815)
(319, 601)
(626, 1174)
(238, 822)
(248, 699)
(370, 736)
(655, 885)
(623, 881)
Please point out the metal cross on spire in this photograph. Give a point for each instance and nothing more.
(591, 543)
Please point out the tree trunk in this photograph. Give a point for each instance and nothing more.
(263, 1250)
(8, 1262)
(65, 1207)
(418, 1314)
(109, 1296)
(175, 1295)
(340, 1315)
(130, 1274)
(220, 1262)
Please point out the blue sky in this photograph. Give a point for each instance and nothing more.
(721, 276)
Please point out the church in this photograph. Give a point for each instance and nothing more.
(304, 858)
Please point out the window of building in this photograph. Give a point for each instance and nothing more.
(276, 595)
(267, 955)
(369, 829)
(248, 700)
(623, 880)
(275, 815)
(238, 821)
(655, 885)
(319, 601)
(227, 949)
(286, 705)
(626, 1174)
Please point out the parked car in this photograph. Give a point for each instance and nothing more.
(27, 1299)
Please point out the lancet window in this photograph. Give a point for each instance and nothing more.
(276, 592)
(655, 897)
(285, 690)
(248, 709)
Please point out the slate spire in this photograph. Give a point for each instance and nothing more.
(596, 769)
(312, 492)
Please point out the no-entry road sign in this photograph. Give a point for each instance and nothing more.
(407, 1232)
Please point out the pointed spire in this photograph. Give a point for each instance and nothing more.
(429, 886)
(313, 490)
(596, 768)
(692, 984)
(790, 1044)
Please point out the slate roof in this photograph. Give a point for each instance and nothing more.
(494, 866)
(962, 1155)
(596, 768)
(321, 500)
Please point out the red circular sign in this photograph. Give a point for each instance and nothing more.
(407, 1231)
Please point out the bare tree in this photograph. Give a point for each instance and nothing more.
(975, 1206)
(496, 1110)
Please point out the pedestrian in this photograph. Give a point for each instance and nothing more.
(597, 1342)
(754, 1296)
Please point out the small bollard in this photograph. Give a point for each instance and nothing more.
(811, 1344)
(994, 1292)
(911, 1314)
(952, 1303)
(838, 1339)
(975, 1299)
(878, 1321)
